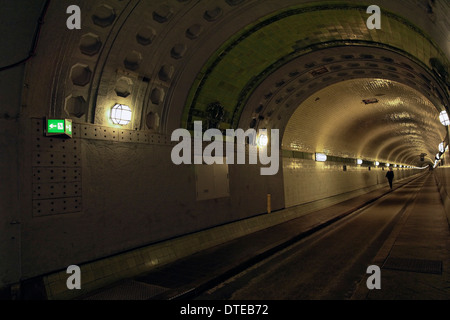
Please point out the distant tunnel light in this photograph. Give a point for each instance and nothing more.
(321, 157)
(376, 163)
(121, 114)
(359, 161)
(441, 147)
(263, 140)
(443, 117)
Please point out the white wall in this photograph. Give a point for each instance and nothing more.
(442, 176)
(132, 196)
(308, 180)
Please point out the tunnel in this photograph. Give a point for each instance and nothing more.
(341, 92)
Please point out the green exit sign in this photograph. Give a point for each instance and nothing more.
(59, 127)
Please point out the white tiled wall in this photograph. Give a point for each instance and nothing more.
(307, 180)
(442, 176)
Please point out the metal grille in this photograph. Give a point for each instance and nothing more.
(414, 265)
(129, 290)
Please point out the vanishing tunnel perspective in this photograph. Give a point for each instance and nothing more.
(224, 150)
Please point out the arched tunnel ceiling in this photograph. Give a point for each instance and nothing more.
(400, 126)
(259, 59)
(246, 59)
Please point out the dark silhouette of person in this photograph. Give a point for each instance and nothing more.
(390, 176)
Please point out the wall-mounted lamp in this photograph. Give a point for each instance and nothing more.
(376, 163)
(438, 156)
(441, 147)
(121, 114)
(263, 140)
(321, 157)
(387, 164)
(359, 161)
(443, 117)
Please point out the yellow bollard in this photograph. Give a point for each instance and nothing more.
(269, 203)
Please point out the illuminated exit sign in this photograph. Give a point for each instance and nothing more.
(59, 127)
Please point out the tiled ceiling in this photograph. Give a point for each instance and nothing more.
(397, 128)
(244, 60)
(244, 63)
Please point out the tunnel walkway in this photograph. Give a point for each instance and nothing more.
(415, 259)
(425, 216)
(331, 263)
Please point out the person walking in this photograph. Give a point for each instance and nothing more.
(390, 177)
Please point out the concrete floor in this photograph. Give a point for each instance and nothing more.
(422, 237)
(311, 258)
(330, 264)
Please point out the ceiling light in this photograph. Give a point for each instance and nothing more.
(443, 117)
(321, 157)
(121, 114)
(263, 140)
